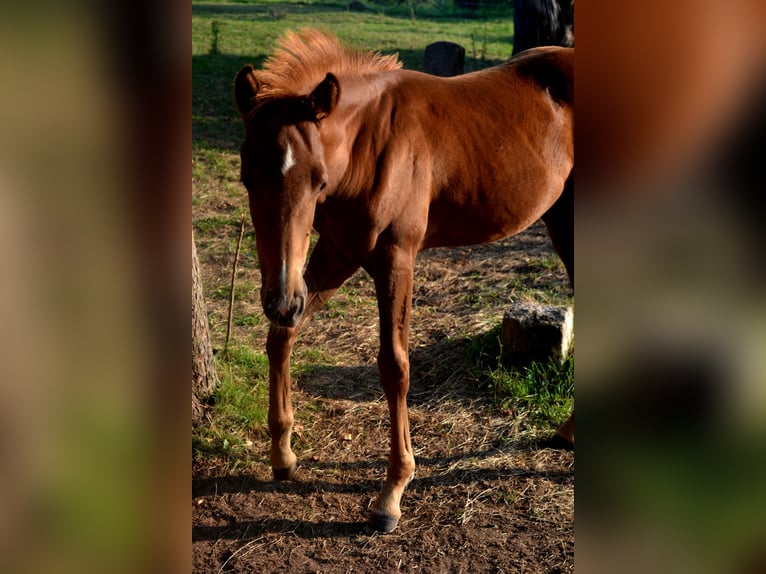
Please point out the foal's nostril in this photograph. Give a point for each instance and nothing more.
(283, 308)
(270, 302)
(282, 311)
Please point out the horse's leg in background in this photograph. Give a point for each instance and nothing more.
(564, 437)
(559, 220)
(393, 275)
(327, 270)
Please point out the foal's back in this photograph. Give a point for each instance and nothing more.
(498, 144)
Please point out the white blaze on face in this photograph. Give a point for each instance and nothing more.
(283, 306)
(289, 160)
(283, 277)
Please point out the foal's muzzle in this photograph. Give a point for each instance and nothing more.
(284, 311)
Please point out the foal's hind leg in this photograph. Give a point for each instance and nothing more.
(559, 220)
(326, 271)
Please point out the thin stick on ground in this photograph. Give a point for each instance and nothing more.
(233, 278)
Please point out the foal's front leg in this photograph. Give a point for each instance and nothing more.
(327, 270)
(393, 276)
(279, 345)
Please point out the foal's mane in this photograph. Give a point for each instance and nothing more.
(304, 58)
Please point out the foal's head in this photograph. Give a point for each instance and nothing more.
(284, 171)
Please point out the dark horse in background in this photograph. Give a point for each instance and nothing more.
(542, 23)
(384, 163)
(546, 23)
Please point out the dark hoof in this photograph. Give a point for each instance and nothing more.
(558, 442)
(381, 522)
(284, 473)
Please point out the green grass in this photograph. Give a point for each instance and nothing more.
(219, 25)
(227, 35)
(240, 396)
(205, 225)
(239, 411)
(249, 319)
(541, 393)
(243, 290)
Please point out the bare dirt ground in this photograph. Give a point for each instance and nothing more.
(487, 497)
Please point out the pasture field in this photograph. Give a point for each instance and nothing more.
(487, 497)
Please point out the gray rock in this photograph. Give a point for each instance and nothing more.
(534, 332)
(444, 59)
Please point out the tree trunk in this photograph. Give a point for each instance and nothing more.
(204, 373)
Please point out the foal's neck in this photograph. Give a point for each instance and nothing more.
(357, 132)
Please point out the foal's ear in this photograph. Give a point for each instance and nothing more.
(325, 96)
(246, 87)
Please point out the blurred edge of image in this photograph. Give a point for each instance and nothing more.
(94, 291)
(671, 287)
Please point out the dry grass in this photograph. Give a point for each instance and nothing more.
(485, 498)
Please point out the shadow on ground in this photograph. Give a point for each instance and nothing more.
(246, 484)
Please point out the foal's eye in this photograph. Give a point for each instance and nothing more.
(322, 185)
